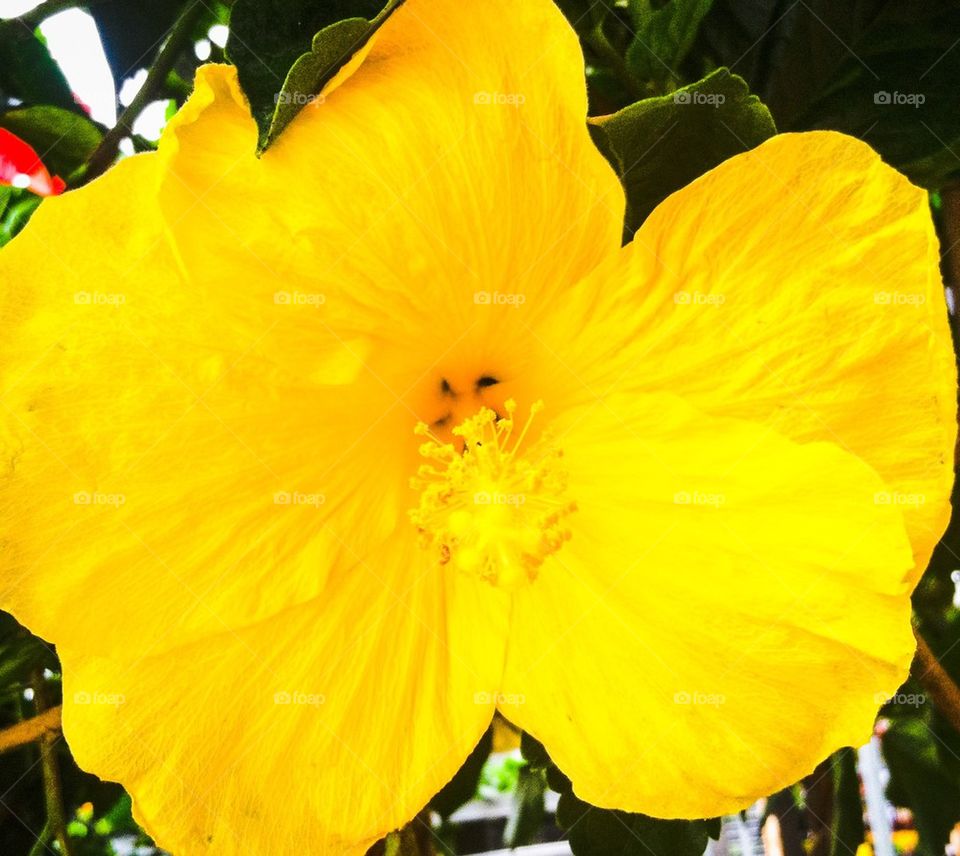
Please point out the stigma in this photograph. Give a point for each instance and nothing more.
(493, 505)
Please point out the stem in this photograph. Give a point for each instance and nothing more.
(934, 679)
(40, 848)
(30, 730)
(106, 152)
(599, 42)
(56, 825)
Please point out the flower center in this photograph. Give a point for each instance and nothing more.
(493, 509)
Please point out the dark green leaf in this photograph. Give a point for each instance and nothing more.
(63, 139)
(601, 832)
(594, 831)
(847, 830)
(295, 43)
(744, 35)
(331, 47)
(663, 36)
(534, 752)
(894, 87)
(659, 145)
(583, 15)
(885, 71)
(463, 786)
(27, 71)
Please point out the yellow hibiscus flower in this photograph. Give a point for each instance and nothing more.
(666, 505)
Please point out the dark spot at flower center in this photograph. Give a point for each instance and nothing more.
(459, 398)
(484, 381)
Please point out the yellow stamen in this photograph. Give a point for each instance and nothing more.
(492, 510)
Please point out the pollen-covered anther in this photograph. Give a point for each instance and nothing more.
(497, 508)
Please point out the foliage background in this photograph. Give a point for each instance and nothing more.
(887, 71)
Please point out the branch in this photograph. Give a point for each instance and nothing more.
(934, 679)
(56, 824)
(30, 730)
(180, 34)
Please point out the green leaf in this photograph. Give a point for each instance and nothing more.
(885, 71)
(286, 51)
(63, 139)
(529, 810)
(659, 145)
(332, 46)
(894, 86)
(534, 752)
(594, 831)
(919, 781)
(118, 819)
(663, 36)
(463, 786)
(17, 215)
(27, 71)
(21, 653)
(847, 830)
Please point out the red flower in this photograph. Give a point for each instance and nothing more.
(21, 166)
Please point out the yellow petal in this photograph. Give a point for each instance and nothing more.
(200, 387)
(167, 382)
(166, 453)
(192, 524)
(316, 731)
(451, 166)
(798, 286)
(742, 600)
